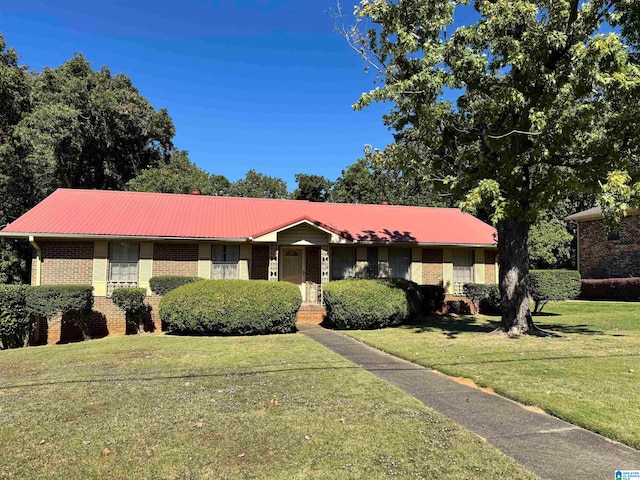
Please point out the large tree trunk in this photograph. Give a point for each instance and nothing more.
(513, 237)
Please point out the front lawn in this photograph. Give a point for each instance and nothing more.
(589, 376)
(157, 406)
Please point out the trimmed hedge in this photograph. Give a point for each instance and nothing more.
(231, 307)
(611, 289)
(131, 300)
(15, 323)
(552, 286)
(412, 292)
(366, 304)
(485, 298)
(161, 285)
(73, 301)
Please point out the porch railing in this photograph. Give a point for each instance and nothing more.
(313, 294)
(458, 288)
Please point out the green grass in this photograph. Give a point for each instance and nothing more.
(157, 406)
(589, 376)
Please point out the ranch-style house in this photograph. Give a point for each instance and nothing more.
(112, 239)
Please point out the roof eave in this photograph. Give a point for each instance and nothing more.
(81, 236)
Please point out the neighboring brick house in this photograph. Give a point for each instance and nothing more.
(602, 255)
(112, 239)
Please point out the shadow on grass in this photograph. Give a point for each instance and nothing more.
(582, 329)
(545, 314)
(451, 325)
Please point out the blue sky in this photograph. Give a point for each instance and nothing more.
(256, 84)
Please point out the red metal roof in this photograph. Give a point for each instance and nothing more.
(160, 215)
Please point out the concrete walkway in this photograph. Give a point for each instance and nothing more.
(550, 447)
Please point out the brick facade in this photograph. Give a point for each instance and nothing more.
(175, 259)
(69, 263)
(259, 262)
(490, 267)
(432, 273)
(603, 258)
(313, 266)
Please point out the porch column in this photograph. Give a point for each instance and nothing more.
(99, 278)
(145, 266)
(416, 265)
(361, 262)
(204, 260)
(447, 270)
(478, 266)
(273, 263)
(324, 265)
(245, 261)
(383, 262)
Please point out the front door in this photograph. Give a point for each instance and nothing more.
(292, 262)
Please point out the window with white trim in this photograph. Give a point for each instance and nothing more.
(224, 261)
(400, 263)
(343, 263)
(123, 263)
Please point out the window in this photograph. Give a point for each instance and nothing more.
(343, 263)
(614, 269)
(123, 263)
(615, 235)
(224, 261)
(400, 263)
(462, 269)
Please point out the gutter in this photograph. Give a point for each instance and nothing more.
(36, 247)
(77, 236)
(80, 236)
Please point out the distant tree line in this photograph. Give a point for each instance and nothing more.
(76, 127)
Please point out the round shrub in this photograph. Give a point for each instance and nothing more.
(15, 324)
(231, 307)
(163, 284)
(553, 286)
(365, 304)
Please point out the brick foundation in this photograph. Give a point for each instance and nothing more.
(107, 319)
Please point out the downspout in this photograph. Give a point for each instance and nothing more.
(36, 247)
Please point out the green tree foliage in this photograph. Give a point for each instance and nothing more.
(69, 126)
(314, 188)
(179, 175)
(549, 243)
(369, 182)
(258, 185)
(546, 105)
